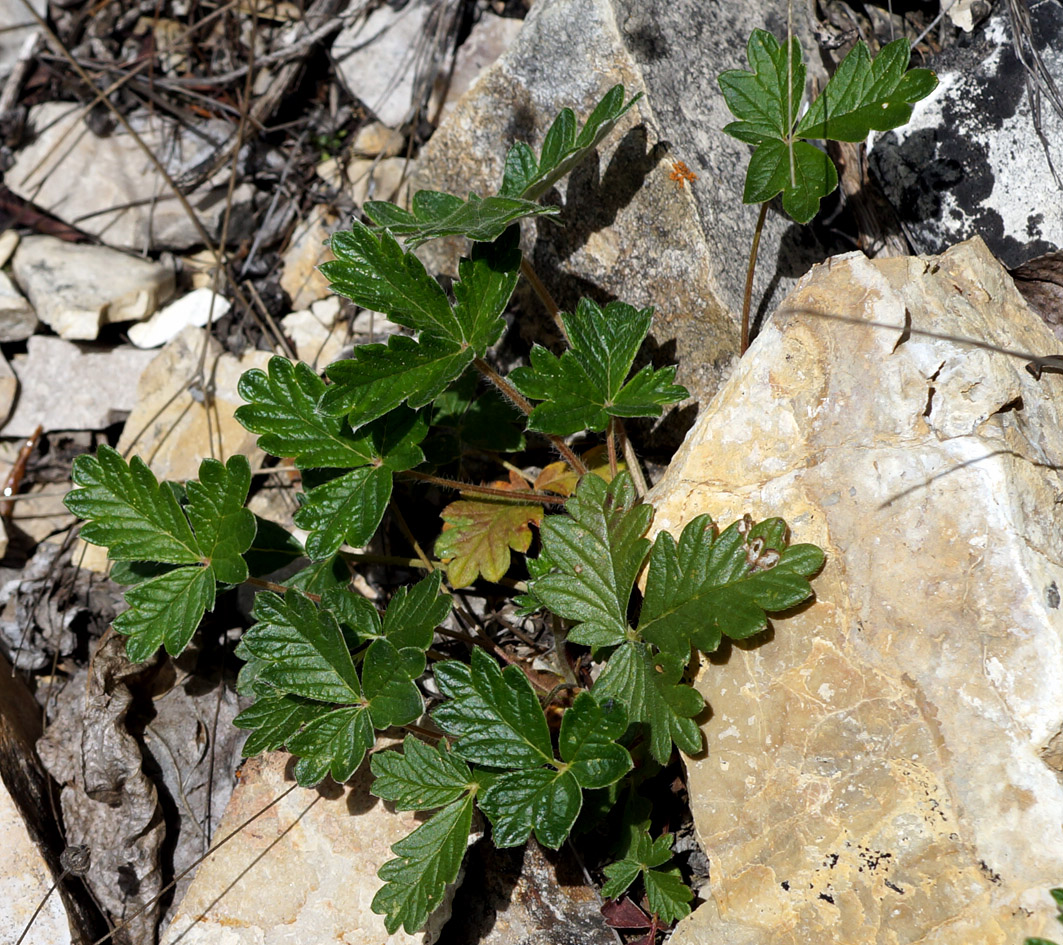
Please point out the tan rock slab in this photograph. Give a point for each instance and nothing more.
(375, 139)
(173, 428)
(881, 767)
(304, 871)
(17, 319)
(306, 251)
(8, 245)
(8, 389)
(68, 386)
(75, 288)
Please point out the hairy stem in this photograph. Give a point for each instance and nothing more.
(529, 273)
(484, 490)
(610, 443)
(748, 297)
(511, 393)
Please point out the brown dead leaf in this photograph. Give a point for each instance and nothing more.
(561, 479)
(1040, 281)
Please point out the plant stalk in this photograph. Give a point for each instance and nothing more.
(748, 297)
(529, 273)
(484, 490)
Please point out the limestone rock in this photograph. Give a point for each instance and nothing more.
(8, 389)
(8, 244)
(18, 24)
(317, 338)
(375, 139)
(489, 38)
(307, 865)
(970, 161)
(627, 230)
(884, 766)
(75, 288)
(65, 386)
(172, 428)
(196, 308)
(17, 319)
(306, 251)
(375, 58)
(108, 187)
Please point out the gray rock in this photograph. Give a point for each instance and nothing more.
(969, 163)
(17, 24)
(17, 319)
(375, 58)
(75, 288)
(64, 386)
(489, 38)
(107, 186)
(627, 229)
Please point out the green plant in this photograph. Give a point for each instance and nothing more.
(1057, 895)
(326, 669)
(862, 96)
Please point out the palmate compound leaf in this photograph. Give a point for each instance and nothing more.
(862, 96)
(380, 377)
(500, 724)
(589, 383)
(562, 148)
(707, 587)
(348, 508)
(597, 550)
(669, 897)
(480, 532)
(140, 520)
(302, 673)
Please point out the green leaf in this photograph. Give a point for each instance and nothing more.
(388, 676)
(165, 611)
(597, 549)
(588, 383)
(129, 512)
(494, 714)
(814, 176)
(421, 777)
(379, 377)
(282, 409)
(706, 587)
(861, 96)
(540, 799)
(427, 860)
(668, 895)
(478, 219)
(332, 743)
(275, 718)
(485, 284)
(864, 96)
(273, 548)
(372, 270)
(765, 106)
(562, 148)
(415, 612)
(468, 415)
(349, 508)
(302, 648)
(587, 741)
(649, 685)
(224, 528)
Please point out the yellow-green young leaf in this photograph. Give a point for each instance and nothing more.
(562, 479)
(479, 533)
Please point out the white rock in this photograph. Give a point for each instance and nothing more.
(489, 38)
(8, 243)
(375, 58)
(305, 871)
(64, 386)
(316, 342)
(16, 24)
(196, 309)
(886, 767)
(80, 177)
(17, 319)
(76, 288)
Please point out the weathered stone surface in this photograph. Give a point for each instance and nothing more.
(375, 139)
(970, 161)
(65, 386)
(306, 251)
(75, 288)
(17, 319)
(8, 244)
(108, 187)
(8, 389)
(196, 308)
(491, 36)
(375, 58)
(627, 230)
(18, 24)
(883, 768)
(172, 428)
(305, 871)
(317, 338)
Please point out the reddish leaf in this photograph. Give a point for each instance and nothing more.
(624, 914)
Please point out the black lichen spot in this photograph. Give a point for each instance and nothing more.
(785, 885)
(1052, 596)
(894, 887)
(827, 898)
(992, 876)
